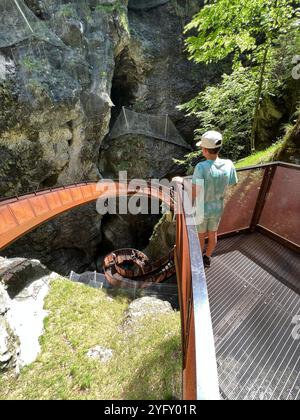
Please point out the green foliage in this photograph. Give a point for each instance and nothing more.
(261, 37)
(31, 63)
(237, 26)
(227, 107)
(67, 11)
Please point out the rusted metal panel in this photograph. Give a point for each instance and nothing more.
(76, 194)
(65, 196)
(281, 212)
(266, 184)
(240, 201)
(8, 220)
(22, 211)
(39, 205)
(283, 241)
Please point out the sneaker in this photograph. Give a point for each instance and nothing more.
(206, 261)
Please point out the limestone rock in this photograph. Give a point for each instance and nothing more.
(100, 353)
(24, 285)
(153, 158)
(56, 108)
(146, 306)
(162, 240)
(9, 346)
(9, 343)
(290, 150)
(17, 273)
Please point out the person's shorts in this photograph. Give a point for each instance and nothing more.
(210, 224)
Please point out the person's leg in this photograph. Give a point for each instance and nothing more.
(202, 233)
(202, 237)
(212, 227)
(212, 243)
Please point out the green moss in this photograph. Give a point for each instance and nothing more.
(117, 7)
(67, 10)
(109, 8)
(260, 157)
(124, 19)
(31, 64)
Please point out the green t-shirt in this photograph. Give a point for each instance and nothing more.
(216, 175)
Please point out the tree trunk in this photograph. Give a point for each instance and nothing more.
(259, 92)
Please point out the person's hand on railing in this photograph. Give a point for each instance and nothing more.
(178, 179)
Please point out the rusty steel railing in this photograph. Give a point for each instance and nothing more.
(258, 190)
(267, 199)
(200, 377)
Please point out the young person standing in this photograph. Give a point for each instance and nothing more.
(215, 175)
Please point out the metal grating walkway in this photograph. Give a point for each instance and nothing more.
(253, 313)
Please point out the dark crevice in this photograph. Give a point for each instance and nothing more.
(124, 84)
(51, 181)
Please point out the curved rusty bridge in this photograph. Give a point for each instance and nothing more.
(239, 337)
(19, 215)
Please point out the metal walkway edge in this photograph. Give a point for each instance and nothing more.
(252, 312)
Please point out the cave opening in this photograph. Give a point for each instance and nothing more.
(50, 181)
(124, 84)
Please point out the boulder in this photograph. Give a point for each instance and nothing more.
(144, 306)
(17, 273)
(24, 285)
(9, 342)
(153, 158)
(100, 353)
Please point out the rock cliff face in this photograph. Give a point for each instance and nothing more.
(24, 284)
(62, 65)
(290, 151)
(57, 84)
(55, 104)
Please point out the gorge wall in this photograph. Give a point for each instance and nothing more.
(58, 83)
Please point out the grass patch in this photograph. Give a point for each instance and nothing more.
(146, 363)
(261, 157)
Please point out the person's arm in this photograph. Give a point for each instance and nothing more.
(233, 178)
(197, 183)
(195, 193)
